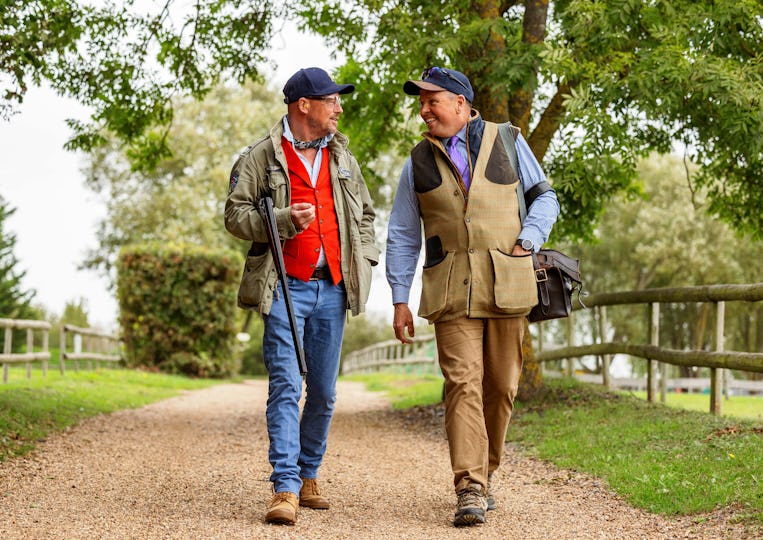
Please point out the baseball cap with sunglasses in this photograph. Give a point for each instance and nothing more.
(436, 79)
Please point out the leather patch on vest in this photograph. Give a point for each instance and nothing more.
(499, 169)
(426, 176)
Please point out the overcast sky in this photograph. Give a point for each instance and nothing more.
(56, 215)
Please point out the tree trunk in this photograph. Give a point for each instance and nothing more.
(496, 105)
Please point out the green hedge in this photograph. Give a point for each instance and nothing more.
(178, 308)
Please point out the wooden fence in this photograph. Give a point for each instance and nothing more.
(29, 355)
(382, 355)
(88, 344)
(421, 355)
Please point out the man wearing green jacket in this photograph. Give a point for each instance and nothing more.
(325, 219)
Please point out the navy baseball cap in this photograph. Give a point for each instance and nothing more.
(312, 81)
(436, 79)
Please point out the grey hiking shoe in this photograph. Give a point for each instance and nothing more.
(490, 498)
(471, 506)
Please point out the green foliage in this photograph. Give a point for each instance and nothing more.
(658, 458)
(595, 86)
(664, 238)
(182, 199)
(128, 60)
(177, 307)
(30, 410)
(14, 300)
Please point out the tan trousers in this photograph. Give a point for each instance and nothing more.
(481, 360)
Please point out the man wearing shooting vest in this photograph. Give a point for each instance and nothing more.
(325, 217)
(478, 281)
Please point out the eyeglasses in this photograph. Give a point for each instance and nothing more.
(435, 70)
(331, 101)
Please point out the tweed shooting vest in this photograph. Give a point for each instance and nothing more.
(469, 270)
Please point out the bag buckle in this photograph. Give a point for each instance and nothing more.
(540, 275)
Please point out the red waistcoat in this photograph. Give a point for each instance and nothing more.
(301, 253)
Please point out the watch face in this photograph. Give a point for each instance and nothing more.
(527, 244)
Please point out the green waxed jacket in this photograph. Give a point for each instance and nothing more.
(262, 170)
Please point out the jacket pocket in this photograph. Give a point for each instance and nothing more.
(254, 281)
(352, 198)
(514, 288)
(435, 286)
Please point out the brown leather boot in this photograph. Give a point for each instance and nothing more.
(283, 508)
(310, 496)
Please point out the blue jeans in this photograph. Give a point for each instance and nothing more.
(297, 445)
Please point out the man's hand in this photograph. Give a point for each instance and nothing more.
(302, 215)
(518, 251)
(403, 319)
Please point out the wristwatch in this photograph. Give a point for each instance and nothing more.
(526, 244)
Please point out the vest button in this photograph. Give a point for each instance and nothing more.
(471, 250)
(466, 281)
(312, 266)
(468, 219)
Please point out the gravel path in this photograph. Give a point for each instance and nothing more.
(195, 466)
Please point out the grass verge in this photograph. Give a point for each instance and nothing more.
(32, 409)
(659, 458)
(403, 390)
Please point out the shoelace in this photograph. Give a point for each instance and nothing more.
(280, 497)
(469, 498)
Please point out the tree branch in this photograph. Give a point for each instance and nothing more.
(549, 122)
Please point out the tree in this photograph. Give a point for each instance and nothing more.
(128, 60)
(182, 198)
(664, 238)
(594, 85)
(14, 300)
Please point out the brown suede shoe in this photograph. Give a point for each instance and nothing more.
(283, 508)
(310, 496)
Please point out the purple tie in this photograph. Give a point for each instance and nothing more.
(458, 160)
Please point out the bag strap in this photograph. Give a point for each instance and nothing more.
(508, 135)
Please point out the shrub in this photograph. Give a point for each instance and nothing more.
(177, 307)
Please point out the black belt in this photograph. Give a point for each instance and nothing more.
(321, 272)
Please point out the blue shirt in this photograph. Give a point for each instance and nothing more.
(405, 230)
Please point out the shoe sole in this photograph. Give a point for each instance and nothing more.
(280, 519)
(468, 519)
(314, 506)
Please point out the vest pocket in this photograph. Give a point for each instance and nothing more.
(435, 283)
(514, 289)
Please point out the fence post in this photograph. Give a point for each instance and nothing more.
(654, 339)
(604, 357)
(716, 374)
(45, 348)
(29, 350)
(7, 348)
(62, 350)
(570, 343)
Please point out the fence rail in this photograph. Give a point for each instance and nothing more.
(377, 357)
